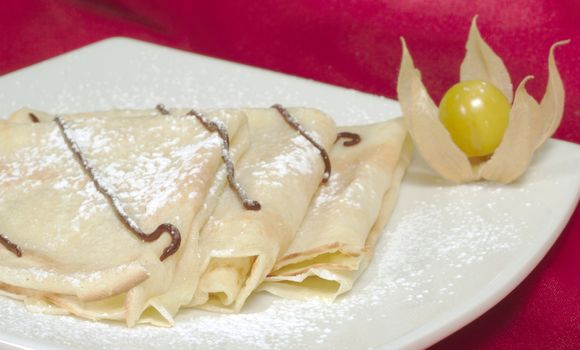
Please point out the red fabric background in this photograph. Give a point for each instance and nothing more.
(355, 44)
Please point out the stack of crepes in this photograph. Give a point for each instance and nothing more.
(73, 191)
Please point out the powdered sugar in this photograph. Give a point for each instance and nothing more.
(26, 162)
(99, 183)
(297, 159)
(146, 180)
(293, 122)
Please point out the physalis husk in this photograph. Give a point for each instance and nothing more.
(530, 123)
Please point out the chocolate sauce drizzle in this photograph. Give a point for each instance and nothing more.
(116, 203)
(220, 128)
(161, 109)
(10, 246)
(34, 118)
(293, 122)
(354, 139)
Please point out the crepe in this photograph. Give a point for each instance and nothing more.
(316, 243)
(282, 170)
(335, 242)
(77, 254)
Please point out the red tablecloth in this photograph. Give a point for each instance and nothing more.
(355, 44)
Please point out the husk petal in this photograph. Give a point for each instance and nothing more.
(513, 156)
(482, 63)
(552, 103)
(430, 136)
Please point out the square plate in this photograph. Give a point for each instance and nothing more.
(448, 254)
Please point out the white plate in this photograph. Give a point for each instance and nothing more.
(448, 254)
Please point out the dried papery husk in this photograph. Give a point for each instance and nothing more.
(530, 125)
(482, 63)
(552, 103)
(422, 119)
(513, 156)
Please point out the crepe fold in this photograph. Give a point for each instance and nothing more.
(336, 239)
(76, 253)
(282, 170)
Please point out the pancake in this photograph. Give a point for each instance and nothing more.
(309, 239)
(335, 242)
(282, 170)
(76, 252)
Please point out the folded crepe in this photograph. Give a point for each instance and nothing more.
(317, 243)
(336, 239)
(76, 252)
(281, 170)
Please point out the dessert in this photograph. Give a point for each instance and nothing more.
(336, 239)
(76, 249)
(126, 215)
(283, 170)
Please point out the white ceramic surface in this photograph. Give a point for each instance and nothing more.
(448, 254)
